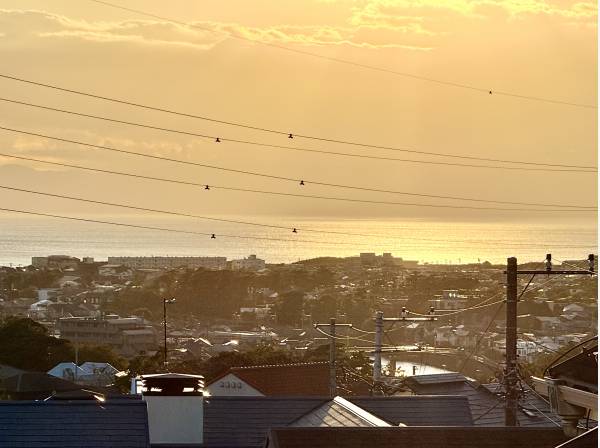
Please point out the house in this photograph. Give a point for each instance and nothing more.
(117, 271)
(99, 374)
(244, 421)
(34, 386)
(129, 336)
(67, 371)
(73, 424)
(485, 401)
(305, 379)
(571, 385)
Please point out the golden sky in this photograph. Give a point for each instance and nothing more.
(531, 47)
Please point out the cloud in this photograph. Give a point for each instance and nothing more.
(393, 13)
(30, 25)
(33, 24)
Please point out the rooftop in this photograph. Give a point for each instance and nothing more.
(73, 424)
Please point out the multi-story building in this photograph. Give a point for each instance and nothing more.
(55, 262)
(128, 336)
(252, 263)
(450, 299)
(170, 262)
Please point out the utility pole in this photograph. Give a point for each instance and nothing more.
(378, 347)
(510, 371)
(165, 302)
(379, 329)
(332, 349)
(332, 366)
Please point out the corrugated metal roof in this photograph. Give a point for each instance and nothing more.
(70, 424)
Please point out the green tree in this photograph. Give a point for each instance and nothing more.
(288, 308)
(323, 308)
(26, 345)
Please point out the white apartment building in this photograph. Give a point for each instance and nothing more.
(252, 263)
(170, 262)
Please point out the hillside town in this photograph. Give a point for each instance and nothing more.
(240, 333)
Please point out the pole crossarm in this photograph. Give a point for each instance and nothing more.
(409, 319)
(559, 272)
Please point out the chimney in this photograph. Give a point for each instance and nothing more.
(175, 408)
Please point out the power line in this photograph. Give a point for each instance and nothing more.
(582, 269)
(208, 186)
(486, 91)
(287, 133)
(190, 215)
(204, 185)
(163, 229)
(219, 139)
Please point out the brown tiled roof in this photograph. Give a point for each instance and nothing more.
(416, 437)
(303, 379)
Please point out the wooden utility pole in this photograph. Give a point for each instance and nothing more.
(332, 364)
(332, 353)
(379, 329)
(510, 371)
(378, 347)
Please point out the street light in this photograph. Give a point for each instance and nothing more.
(165, 301)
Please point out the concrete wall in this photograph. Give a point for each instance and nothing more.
(176, 419)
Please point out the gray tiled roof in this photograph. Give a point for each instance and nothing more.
(419, 410)
(245, 421)
(487, 408)
(70, 424)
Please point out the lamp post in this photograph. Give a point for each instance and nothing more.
(165, 301)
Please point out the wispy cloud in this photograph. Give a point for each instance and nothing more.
(34, 24)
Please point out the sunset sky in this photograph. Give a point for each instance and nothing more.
(534, 48)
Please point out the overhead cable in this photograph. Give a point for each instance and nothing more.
(270, 176)
(214, 138)
(287, 133)
(191, 215)
(486, 91)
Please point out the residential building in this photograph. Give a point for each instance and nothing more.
(450, 299)
(252, 263)
(170, 262)
(306, 379)
(128, 336)
(118, 271)
(485, 401)
(98, 374)
(55, 262)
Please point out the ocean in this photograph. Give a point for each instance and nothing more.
(22, 237)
